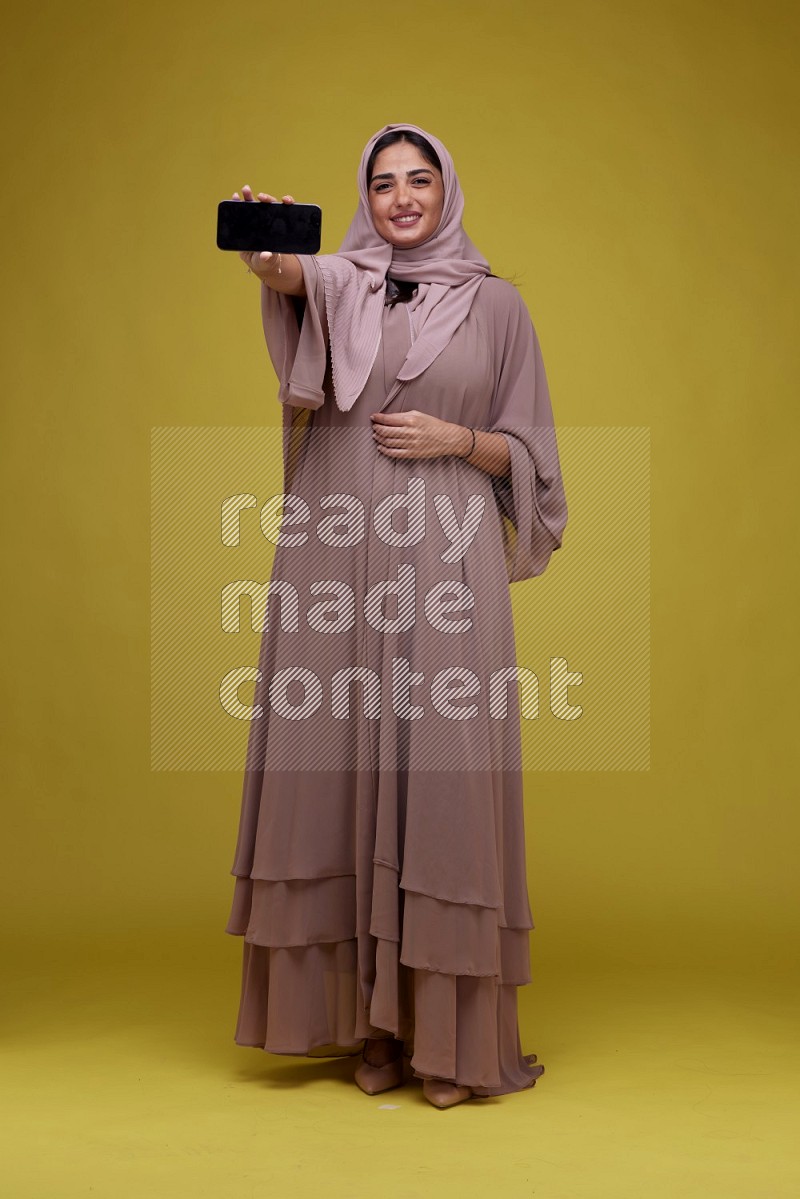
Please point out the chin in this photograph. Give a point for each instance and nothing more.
(405, 243)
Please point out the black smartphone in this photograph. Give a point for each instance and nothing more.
(261, 225)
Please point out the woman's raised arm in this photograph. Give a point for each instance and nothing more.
(281, 272)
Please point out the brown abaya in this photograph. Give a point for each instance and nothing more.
(380, 864)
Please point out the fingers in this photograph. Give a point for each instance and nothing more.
(247, 192)
(397, 435)
(396, 438)
(392, 418)
(264, 197)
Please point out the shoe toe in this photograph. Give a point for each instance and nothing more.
(373, 1080)
(444, 1094)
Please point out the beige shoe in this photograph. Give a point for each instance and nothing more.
(373, 1080)
(444, 1094)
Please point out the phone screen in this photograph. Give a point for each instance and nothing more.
(259, 225)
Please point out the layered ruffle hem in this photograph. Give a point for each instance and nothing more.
(343, 942)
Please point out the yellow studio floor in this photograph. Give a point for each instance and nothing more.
(122, 1079)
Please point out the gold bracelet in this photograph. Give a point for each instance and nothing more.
(280, 271)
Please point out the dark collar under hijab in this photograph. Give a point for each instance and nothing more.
(398, 292)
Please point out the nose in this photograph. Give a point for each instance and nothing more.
(404, 195)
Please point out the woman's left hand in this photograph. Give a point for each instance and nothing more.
(418, 435)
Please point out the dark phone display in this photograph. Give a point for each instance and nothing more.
(257, 225)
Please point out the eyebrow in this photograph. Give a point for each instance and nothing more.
(390, 175)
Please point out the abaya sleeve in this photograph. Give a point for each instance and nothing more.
(296, 332)
(531, 497)
(297, 337)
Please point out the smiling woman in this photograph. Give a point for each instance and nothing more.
(381, 889)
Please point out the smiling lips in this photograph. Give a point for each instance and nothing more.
(406, 218)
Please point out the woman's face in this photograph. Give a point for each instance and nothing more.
(406, 196)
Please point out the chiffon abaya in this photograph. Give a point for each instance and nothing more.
(380, 880)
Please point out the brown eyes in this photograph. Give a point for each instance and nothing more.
(379, 187)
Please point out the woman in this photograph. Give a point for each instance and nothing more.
(380, 864)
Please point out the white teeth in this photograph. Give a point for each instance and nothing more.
(405, 220)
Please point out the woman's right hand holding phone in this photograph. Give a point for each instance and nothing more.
(265, 264)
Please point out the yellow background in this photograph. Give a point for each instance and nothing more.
(633, 168)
